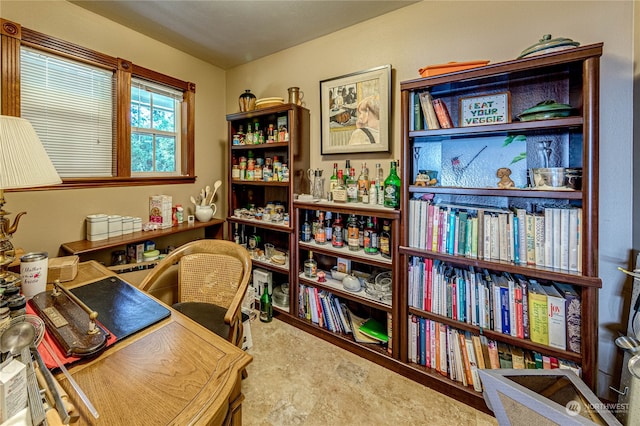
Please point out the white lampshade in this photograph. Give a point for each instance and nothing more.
(23, 161)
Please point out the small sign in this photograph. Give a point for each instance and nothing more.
(485, 110)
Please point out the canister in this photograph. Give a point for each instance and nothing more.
(97, 227)
(33, 271)
(115, 226)
(127, 225)
(137, 224)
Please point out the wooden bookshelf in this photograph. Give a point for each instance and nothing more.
(570, 76)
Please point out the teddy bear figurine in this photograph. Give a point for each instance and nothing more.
(505, 181)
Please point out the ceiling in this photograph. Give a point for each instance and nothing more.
(231, 33)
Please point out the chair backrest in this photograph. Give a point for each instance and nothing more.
(213, 271)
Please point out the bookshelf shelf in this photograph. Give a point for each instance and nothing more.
(335, 287)
(570, 77)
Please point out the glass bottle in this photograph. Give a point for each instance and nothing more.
(336, 234)
(266, 305)
(310, 266)
(328, 227)
(352, 187)
(306, 228)
(339, 193)
(361, 225)
(363, 183)
(248, 137)
(320, 235)
(373, 192)
(333, 180)
(347, 170)
(385, 240)
(315, 225)
(352, 232)
(370, 237)
(392, 189)
(365, 196)
(380, 182)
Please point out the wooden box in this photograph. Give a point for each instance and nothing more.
(62, 268)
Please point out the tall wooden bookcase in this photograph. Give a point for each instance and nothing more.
(255, 194)
(464, 167)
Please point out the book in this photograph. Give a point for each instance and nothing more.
(494, 358)
(426, 101)
(355, 322)
(556, 317)
(442, 113)
(517, 357)
(539, 241)
(538, 308)
(530, 232)
(504, 355)
(479, 353)
(564, 238)
(418, 119)
(524, 285)
(573, 315)
(375, 330)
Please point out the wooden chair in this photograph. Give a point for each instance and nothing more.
(213, 277)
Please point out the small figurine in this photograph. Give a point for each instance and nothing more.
(505, 181)
(424, 178)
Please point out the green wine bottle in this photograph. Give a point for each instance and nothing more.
(266, 306)
(392, 188)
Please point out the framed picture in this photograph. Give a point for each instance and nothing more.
(354, 112)
(484, 110)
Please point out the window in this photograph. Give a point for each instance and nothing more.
(155, 120)
(103, 120)
(70, 106)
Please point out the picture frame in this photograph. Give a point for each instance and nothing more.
(355, 112)
(485, 110)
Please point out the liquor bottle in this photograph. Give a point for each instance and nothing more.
(363, 182)
(371, 237)
(361, 226)
(365, 196)
(320, 235)
(266, 306)
(310, 266)
(314, 225)
(392, 188)
(248, 137)
(380, 181)
(333, 180)
(373, 192)
(352, 187)
(328, 227)
(347, 170)
(352, 232)
(306, 228)
(385, 240)
(336, 234)
(339, 192)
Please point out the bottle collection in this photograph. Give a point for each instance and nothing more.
(345, 187)
(269, 169)
(257, 136)
(357, 233)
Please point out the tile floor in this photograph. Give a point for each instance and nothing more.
(298, 379)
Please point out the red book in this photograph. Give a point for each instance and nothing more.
(442, 112)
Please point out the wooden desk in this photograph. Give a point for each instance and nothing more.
(172, 373)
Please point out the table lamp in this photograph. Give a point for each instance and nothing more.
(23, 164)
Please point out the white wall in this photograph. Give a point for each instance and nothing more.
(438, 32)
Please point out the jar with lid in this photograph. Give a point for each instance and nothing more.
(285, 172)
(118, 257)
(310, 266)
(247, 101)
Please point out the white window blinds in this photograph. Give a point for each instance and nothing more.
(70, 105)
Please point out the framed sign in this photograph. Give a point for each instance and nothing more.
(484, 110)
(354, 112)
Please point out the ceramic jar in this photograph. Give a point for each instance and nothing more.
(247, 101)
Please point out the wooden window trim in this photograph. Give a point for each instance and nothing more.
(13, 36)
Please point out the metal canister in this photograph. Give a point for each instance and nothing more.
(33, 271)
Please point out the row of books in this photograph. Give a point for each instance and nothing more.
(429, 113)
(549, 238)
(459, 355)
(548, 313)
(324, 309)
